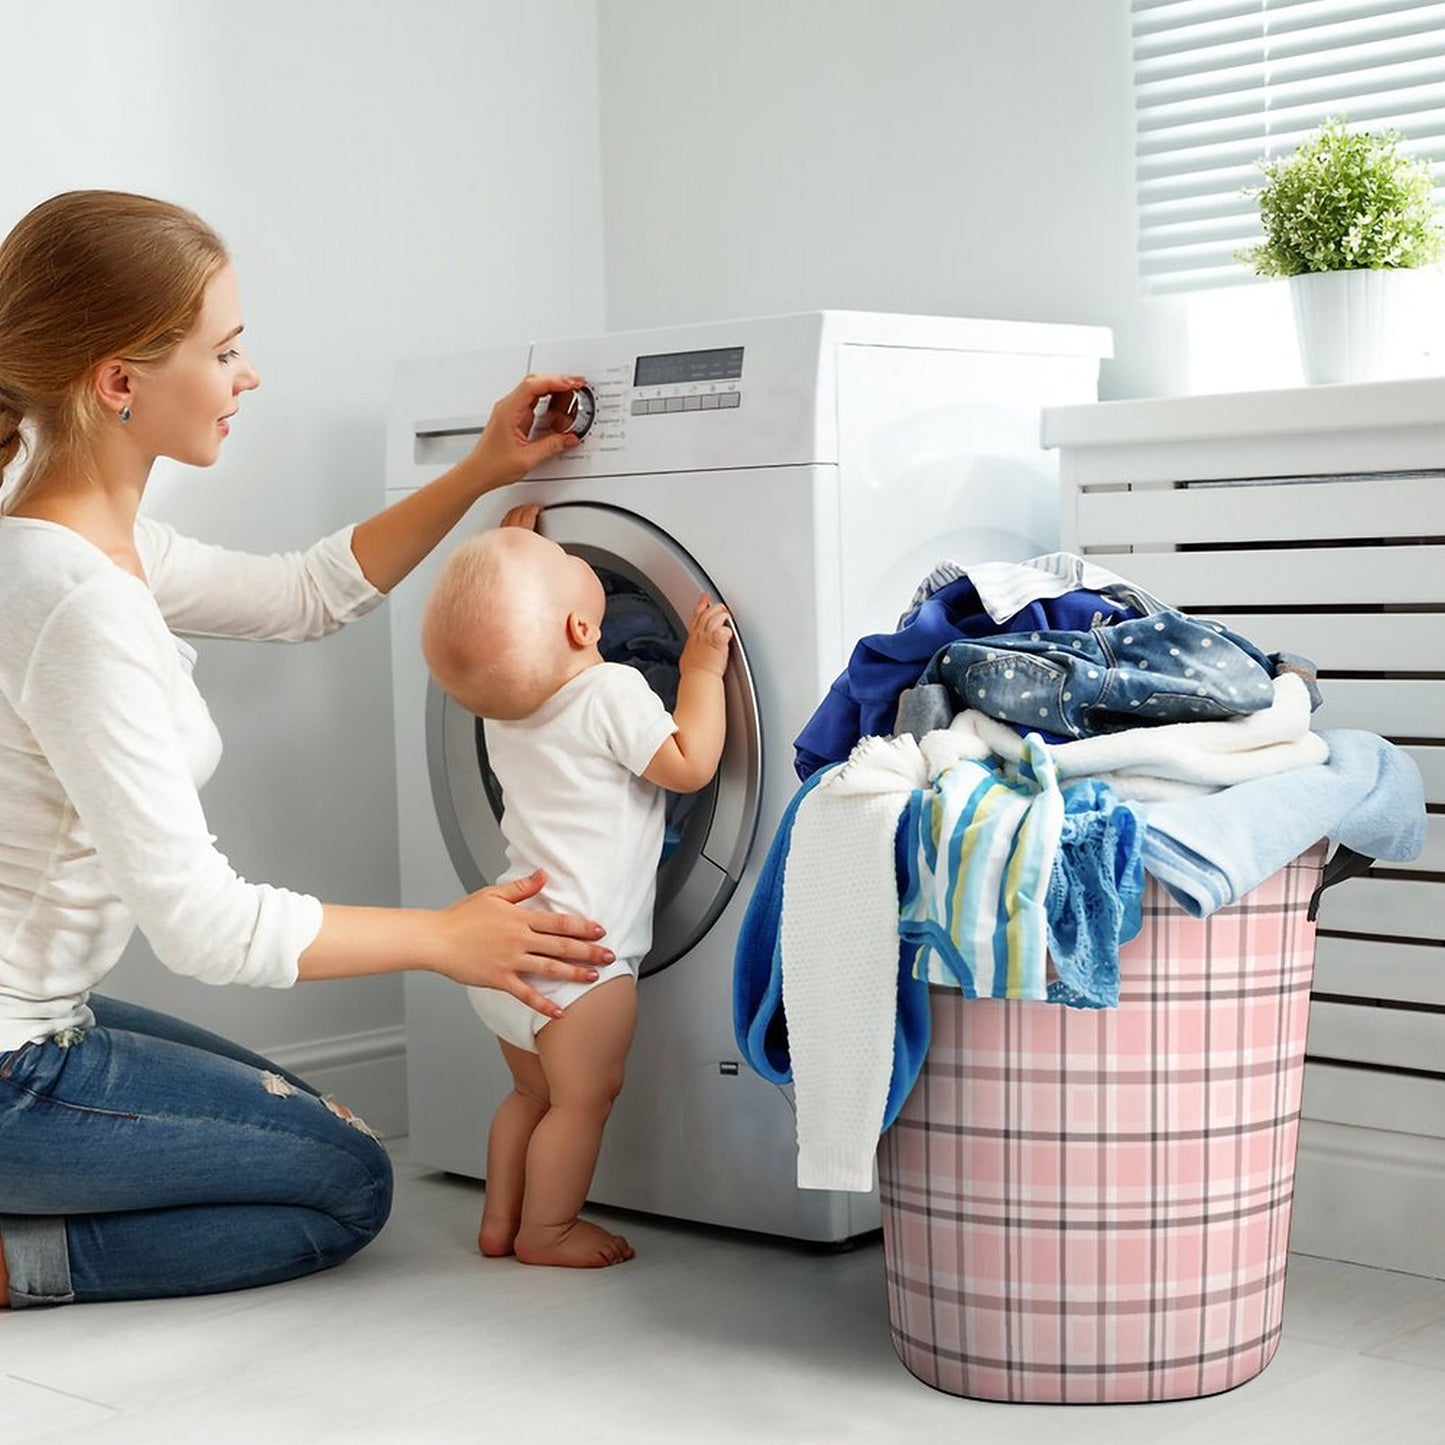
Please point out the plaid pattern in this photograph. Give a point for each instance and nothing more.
(1092, 1206)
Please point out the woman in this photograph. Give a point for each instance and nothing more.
(140, 1156)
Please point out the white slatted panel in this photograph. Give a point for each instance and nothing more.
(1349, 641)
(1399, 708)
(1395, 1037)
(1399, 907)
(1268, 512)
(1366, 1099)
(1305, 576)
(1220, 83)
(1371, 968)
(1350, 572)
(1327, 539)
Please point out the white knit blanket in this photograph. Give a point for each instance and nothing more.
(839, 941)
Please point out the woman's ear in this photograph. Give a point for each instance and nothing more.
(112, 383)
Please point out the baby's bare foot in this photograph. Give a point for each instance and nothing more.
(496, 1236)
(578, 1245)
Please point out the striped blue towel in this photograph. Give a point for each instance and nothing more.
(983, 851)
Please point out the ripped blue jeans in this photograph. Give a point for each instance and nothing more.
(145, 1157)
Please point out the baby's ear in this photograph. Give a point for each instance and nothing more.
(581, 631)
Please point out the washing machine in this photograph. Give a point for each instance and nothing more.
(808, 471)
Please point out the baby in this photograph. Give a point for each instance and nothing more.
(583, 750)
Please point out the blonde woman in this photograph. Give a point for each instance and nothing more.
(139, 1156)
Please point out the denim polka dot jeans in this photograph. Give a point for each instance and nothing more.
(1164, 668)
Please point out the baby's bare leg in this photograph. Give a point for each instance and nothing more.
(582, 1055)
(511, 1132)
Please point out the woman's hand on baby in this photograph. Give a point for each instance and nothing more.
(708, 636)
(492, 943)
(506, 449)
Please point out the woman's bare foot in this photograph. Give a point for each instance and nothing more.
(578, 1245)
(495, 1236)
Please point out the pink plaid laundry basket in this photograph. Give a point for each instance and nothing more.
(1093, 1206)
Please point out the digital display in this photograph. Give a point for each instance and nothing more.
(677, 368)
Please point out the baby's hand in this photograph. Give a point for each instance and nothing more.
(708, 635)
(525, 514)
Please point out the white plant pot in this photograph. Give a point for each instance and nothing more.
(1352, 325)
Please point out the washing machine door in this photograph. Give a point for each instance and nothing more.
(651, 584)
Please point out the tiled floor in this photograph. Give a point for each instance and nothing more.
(704, 1338)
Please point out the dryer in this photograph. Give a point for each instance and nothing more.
(808, 471)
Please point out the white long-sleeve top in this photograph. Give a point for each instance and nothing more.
(104, 745)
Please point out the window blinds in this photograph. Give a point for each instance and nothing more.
(1218, 84)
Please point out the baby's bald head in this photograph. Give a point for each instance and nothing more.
(488, 634)
(498, 629)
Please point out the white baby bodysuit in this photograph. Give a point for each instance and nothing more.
(575, 804)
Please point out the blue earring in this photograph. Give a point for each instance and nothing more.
(125, 414)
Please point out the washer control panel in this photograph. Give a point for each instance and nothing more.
(710, 397)
(665, 383)
(640, 384)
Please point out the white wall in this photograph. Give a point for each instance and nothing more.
(386, 179)
(970, 157)
(400, 180)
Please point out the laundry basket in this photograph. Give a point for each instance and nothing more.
(1093, 1206)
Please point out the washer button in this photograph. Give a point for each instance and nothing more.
(674, 403)
(731, 398)
(691, 403)
(709, 401)
(639, 407)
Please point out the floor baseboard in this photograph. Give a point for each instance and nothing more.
(365, 1071)
(1370, 1196)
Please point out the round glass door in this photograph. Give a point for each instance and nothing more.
(651, 586)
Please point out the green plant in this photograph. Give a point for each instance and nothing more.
(1345, 202)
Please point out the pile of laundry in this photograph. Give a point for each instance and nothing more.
(985, 790)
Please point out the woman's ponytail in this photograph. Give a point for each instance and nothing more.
(12, 443)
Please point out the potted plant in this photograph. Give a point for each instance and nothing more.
(1345, 217)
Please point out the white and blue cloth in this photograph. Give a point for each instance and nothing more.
(830, 982)
(981, 852)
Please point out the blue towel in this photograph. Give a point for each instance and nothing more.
(1095, 897)
(759, 1025)
(1212, 850)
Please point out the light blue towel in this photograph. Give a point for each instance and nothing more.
(1212, 850)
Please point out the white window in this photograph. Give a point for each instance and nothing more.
(1218, 84)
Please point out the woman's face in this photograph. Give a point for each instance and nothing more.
(183, 406)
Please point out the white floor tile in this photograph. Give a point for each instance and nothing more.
(1354, 1399)
(705, 1337)
(1356, 1309)
(27, 1408)
(1424, 1347)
